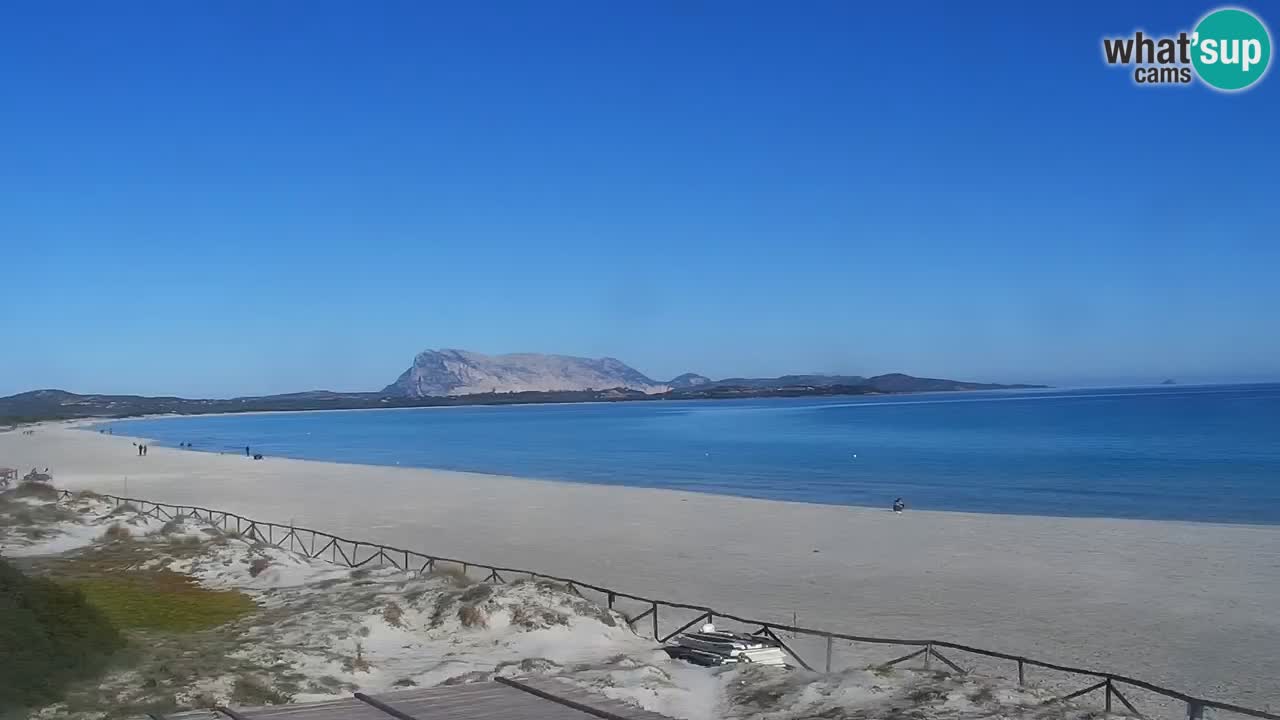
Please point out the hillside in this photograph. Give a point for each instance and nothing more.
(437, 373)
(448, 373)
(458, 377)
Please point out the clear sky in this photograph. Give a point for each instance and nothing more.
(247, 197)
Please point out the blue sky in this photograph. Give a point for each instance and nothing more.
(247, 197)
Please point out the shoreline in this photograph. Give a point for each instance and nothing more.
(1066, 390)
(86, 425)
(1185, 604)
(708, 493)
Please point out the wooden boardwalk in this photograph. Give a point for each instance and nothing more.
(533, 698)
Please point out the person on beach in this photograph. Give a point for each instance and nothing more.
(246, 451)
(899, 506)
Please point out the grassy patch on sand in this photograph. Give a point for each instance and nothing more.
(163, 601)
(49, 636)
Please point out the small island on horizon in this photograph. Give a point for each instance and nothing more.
(450, 377)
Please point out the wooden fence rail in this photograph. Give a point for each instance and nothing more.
(358, 553)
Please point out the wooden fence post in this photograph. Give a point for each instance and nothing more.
(830, 642)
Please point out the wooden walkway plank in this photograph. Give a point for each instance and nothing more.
(345, 709)
(529, 698)
(561, 688)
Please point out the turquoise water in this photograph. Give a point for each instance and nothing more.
(1193, 453)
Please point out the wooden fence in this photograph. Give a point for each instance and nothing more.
(358, 553)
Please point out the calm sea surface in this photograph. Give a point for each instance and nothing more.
(1190, 453)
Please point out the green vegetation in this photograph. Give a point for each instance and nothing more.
(258, 565)
(163, 601)
(252, 691)
(452, 573)
(117, 533)
(982, 695)
(393, 614)
(472, 616)
(34, 489)
(102, 635)
(50, 636)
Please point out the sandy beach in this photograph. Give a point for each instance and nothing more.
(1186, 605)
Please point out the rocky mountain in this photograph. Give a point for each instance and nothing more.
(688, 380)
(437, 373)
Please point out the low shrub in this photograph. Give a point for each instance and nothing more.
(476, 594)
(36, 489)
(124, 509)
(453, 574)
(21, 518)
(927, 695)
(393, 615)
(252, 691)
(258, 565)
(50, 636)
(982, 695)
(472, 616)
(117, 533)
(177, 524)
(358, 663)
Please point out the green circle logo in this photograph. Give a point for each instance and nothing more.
(1231, 49)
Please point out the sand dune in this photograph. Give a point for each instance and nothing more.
(1187, 605)
(321, 632)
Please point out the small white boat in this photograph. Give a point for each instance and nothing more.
(712, 647)
(724, 643)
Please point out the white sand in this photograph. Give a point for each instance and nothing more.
(1188, 605)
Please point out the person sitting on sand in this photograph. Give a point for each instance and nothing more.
(899, 506)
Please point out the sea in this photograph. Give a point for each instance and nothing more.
(1198, 453)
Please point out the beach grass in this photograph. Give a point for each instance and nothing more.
(254, 691)
(37, 490)
(163, 600)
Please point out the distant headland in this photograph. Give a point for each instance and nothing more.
(459, 377)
